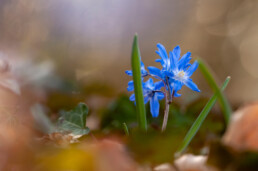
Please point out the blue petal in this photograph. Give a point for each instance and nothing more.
(160, 95)
(158, 85)
(177, 85)
(186, 66)
(168, 74)
(130, 73)
(173, 60)
(132, 97)
(189, 83)
(130, 83)
(176, 52)
(143, 71)
(176, 94)
(146, 99)
(155, 71)
(130, 86)
(192, 68)
(142, 65)
(154, 106)
(184, 60)
(149, 84)
(162, 52)
(159, 60)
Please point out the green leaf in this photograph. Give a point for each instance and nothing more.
(224, 104)
(136, 68)
(74, 121)
(198, 122)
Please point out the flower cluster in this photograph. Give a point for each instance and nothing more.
(176, 72)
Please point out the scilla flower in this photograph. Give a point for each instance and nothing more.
(152, 93)
(176, 71)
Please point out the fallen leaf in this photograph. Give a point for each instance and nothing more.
(242, 133)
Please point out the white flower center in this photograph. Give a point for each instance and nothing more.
(180, 75)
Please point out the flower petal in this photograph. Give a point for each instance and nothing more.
(149, 84)
(176, 52)
(173, 61)
(132, 97)
(130, 86)
(128, 72)
(177, 85)
(192, 68)
(146, 99)
(184, 60)
(186, 66)
(158, 85)
(143, 71)
(176, 94)
(159, 60)
(154, 106)
(168, 74)
(155, 71)
(142, 65)
(189, 83)
(162, 52)
(160, 95)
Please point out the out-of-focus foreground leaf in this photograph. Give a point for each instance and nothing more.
(74, 121)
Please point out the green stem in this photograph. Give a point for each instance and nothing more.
(166, 113)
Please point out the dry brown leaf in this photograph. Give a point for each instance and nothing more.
(242, 133)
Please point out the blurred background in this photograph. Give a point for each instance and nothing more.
(89, 41)
(58, 53)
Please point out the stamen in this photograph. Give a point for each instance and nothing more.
(181, 74)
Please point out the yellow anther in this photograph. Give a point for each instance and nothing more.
(181, 74)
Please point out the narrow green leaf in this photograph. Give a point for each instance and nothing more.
(224, 104)
(74, 121)
(125, 129)
(136, 68)
(198, 122)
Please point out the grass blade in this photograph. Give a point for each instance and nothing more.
(125, 129)
(224, 104)
(198, 122)
(136, 68)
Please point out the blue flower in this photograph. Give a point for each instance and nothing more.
(143, 71)
(176, 71)
(152, 93)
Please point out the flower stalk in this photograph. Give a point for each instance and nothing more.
(166, 112)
